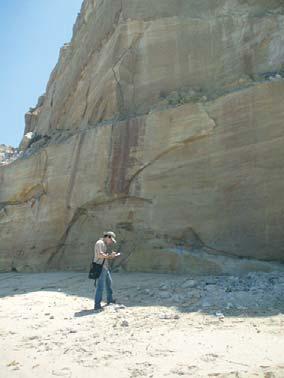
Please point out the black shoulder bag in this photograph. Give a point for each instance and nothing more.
(95, 270)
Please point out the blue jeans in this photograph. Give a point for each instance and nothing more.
(105, 278)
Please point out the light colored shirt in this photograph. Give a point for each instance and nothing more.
(100, 247)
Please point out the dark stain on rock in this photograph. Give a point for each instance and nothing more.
(126, 137)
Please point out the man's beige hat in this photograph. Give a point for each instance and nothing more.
(111, 234)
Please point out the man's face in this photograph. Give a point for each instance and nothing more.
(108, 240)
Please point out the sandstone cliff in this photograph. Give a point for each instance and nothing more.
(162, 120)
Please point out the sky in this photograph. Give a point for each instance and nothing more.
(31, 34)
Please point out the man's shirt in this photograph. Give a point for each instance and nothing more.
(100, 247)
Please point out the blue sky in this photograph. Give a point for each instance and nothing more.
(31, 34)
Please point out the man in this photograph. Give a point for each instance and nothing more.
(102, 257)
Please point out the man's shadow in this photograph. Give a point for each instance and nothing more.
(81, 313)
(78, 314)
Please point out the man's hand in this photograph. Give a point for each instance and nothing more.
(107, 256)
(114, 254)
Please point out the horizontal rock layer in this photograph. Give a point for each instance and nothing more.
(159, 122)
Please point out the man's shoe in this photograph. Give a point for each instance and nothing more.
(98, 308)
(111, 302)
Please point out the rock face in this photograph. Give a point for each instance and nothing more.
(162, 120)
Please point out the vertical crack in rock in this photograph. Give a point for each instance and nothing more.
(74, 169)
(110, 154)
(52, 95)
(120, 12)
(44, 171)
(86, 101)
(120, 96)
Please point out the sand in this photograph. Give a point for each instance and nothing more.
(48, 328)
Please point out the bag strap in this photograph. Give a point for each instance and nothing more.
(96, 263)
(95, 283)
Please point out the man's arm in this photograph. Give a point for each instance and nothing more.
(102, 255)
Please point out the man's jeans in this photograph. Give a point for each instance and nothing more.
(105, 278)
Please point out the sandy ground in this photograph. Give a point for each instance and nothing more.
(163, 329)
